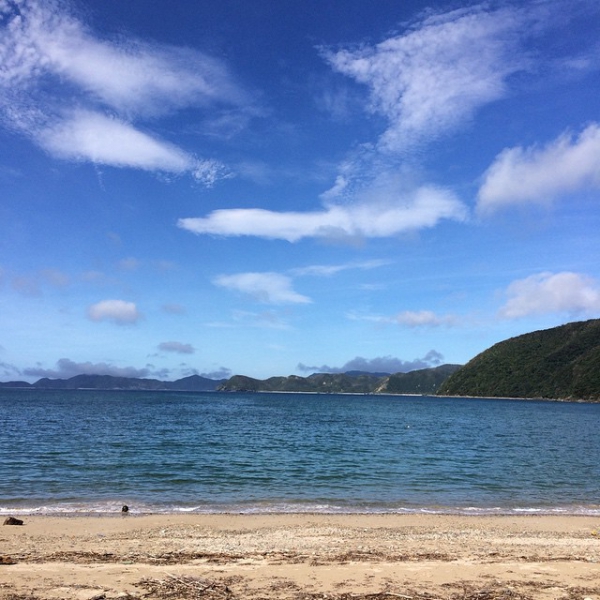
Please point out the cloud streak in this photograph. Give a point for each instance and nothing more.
(267, 288)
(329, 270)
(423, 208)
(409, 318)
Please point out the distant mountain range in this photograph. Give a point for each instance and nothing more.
(194, 383)
(424, 381)
(561, 363)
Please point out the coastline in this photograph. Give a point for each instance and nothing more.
(300, 556)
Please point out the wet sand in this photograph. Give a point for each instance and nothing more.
(299, 556)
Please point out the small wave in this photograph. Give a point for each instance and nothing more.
(111, 508)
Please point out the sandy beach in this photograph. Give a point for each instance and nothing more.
(301, 556)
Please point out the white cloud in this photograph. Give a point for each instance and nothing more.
(41, 42)
(430, 79)
(178, 347)
(268, 288)
(117, 311)
(544, 293)
(94, 137)
(424, 207)
(522, 175)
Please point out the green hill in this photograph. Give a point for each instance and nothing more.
(562, 363)
(330, 383)
(423, 381)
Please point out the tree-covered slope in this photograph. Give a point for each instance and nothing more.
(330, 383)
(422, 381)
(562, 362)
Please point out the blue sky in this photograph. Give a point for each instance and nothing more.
(267, 188)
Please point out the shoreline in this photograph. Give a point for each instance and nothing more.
(110, 508)
(432, 395)
(294, 556)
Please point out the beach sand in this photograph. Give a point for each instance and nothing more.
(299, 556)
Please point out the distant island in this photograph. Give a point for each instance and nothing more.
(558, 363)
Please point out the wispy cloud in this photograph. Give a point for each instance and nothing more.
(52, 59)
(329, 270)
(268, 288)
(409, 318)
(265, 319)
(543, 293)
(117, 311)
(422, 318)
(435, 76)
(541, 174)
(400, 213)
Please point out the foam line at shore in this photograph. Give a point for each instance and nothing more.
(113, 507)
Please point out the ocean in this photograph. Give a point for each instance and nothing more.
(87, 451)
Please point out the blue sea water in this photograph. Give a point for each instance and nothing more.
(93, 451)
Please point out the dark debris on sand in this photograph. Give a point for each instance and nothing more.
(194, 588)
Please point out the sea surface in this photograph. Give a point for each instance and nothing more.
(91, 451)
